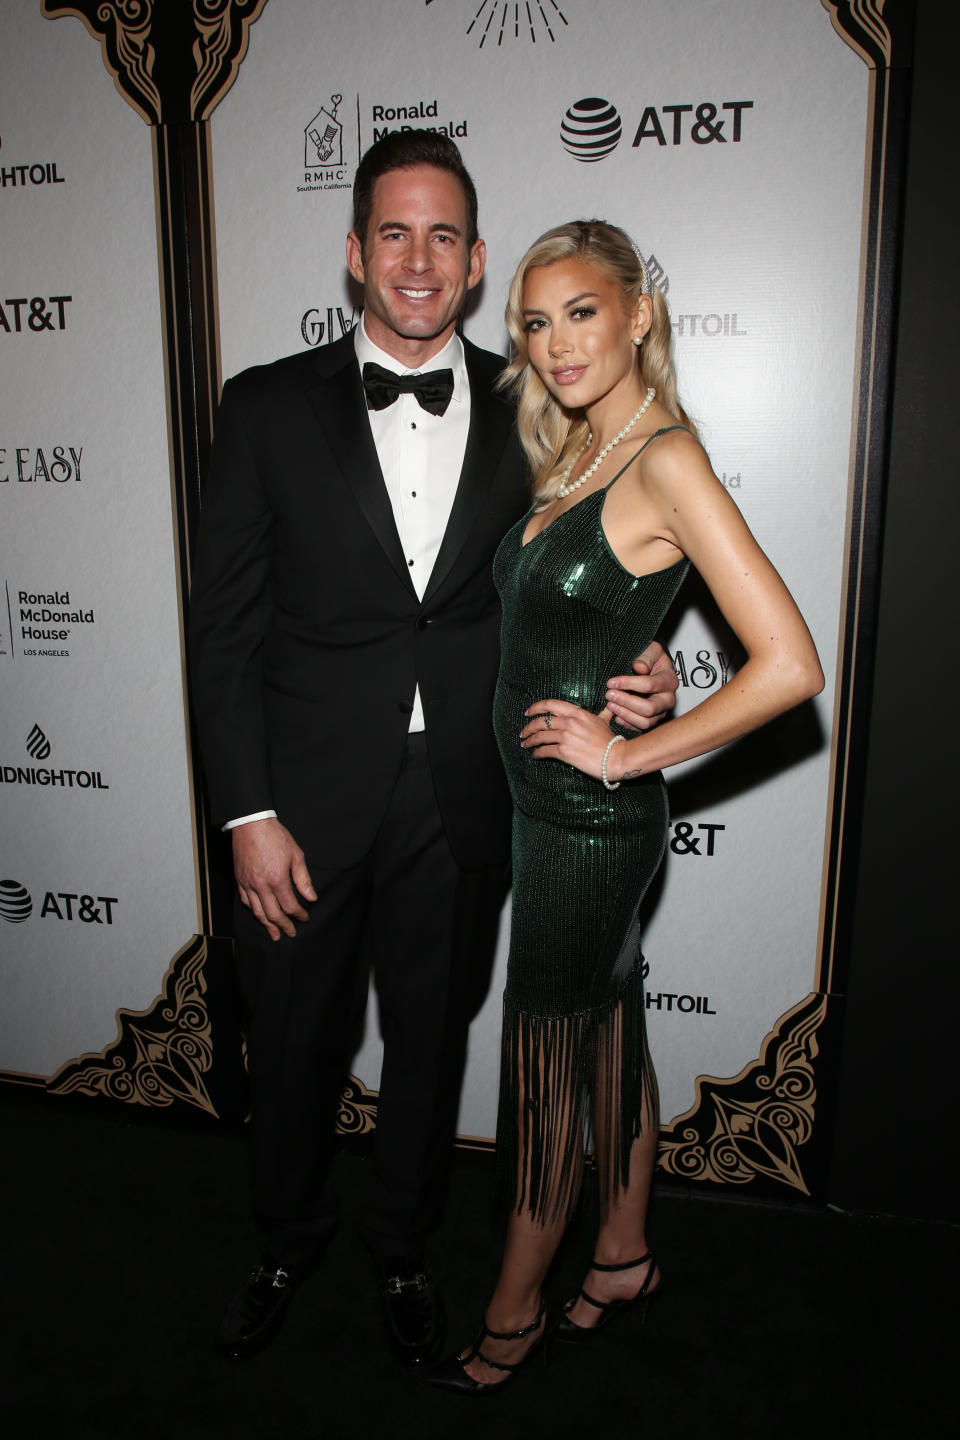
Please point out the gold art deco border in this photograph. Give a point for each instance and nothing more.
(161, 1055)
(754, 1127)
(357, 1111)
(209, 37)
(860, 24)
(755, 1124)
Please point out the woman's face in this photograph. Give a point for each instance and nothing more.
(579, 336)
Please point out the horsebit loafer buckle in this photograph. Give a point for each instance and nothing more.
(278, 1278)
(395, 1284)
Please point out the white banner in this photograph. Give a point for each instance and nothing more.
(729, 140)
(97, 871)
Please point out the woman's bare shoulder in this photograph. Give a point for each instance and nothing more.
(675, 459)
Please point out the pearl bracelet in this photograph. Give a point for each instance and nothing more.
(603, 765)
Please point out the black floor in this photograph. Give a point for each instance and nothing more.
(123, 1239)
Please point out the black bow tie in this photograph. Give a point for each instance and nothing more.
(433, 390)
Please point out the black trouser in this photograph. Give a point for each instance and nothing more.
(427, 929)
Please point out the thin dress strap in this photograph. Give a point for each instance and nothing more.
(649, 441)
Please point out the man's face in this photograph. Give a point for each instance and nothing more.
(415, 265)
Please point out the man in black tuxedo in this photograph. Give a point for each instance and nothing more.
(344, 645)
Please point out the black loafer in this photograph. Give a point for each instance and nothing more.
(413, 1314)
(254, 1315)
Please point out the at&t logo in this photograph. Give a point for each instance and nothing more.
(591, 129)
(37, 316)
(683, 841)
(16, 905)
(15, 902)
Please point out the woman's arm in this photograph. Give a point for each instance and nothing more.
(690, 509)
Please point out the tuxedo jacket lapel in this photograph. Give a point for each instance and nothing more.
(335, 393)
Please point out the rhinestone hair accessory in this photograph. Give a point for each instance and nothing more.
(646, 287)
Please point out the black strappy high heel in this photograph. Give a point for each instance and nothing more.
(569, 1330)
(449, 1374)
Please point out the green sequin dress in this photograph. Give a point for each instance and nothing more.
(574, 1049)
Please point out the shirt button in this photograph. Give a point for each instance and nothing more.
(410, 564)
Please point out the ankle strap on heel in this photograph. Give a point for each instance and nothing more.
(518, 1334)
(624, 1264)
(476, 1347)
(605, 1305)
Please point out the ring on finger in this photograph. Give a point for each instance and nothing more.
(549, 719)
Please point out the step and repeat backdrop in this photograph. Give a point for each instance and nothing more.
(731, 140)
(98, 882)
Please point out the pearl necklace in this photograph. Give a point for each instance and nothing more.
(563, 490)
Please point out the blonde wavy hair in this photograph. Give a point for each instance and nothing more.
(550, 434)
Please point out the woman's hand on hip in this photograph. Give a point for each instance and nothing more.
(557, 730)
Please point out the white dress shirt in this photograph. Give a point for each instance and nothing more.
(421, 456)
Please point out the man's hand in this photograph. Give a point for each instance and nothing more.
(270, 871)
(641, 700)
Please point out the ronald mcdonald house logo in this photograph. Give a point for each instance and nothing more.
(337, 133)
(323, 137)
(42, 623)
(392, 116)
(327, 163)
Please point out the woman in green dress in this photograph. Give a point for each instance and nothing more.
(624, 500)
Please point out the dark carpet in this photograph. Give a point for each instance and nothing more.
(122, 1241)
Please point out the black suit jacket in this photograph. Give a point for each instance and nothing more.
(307, 636)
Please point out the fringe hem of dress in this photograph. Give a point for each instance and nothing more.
(560, 1077)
